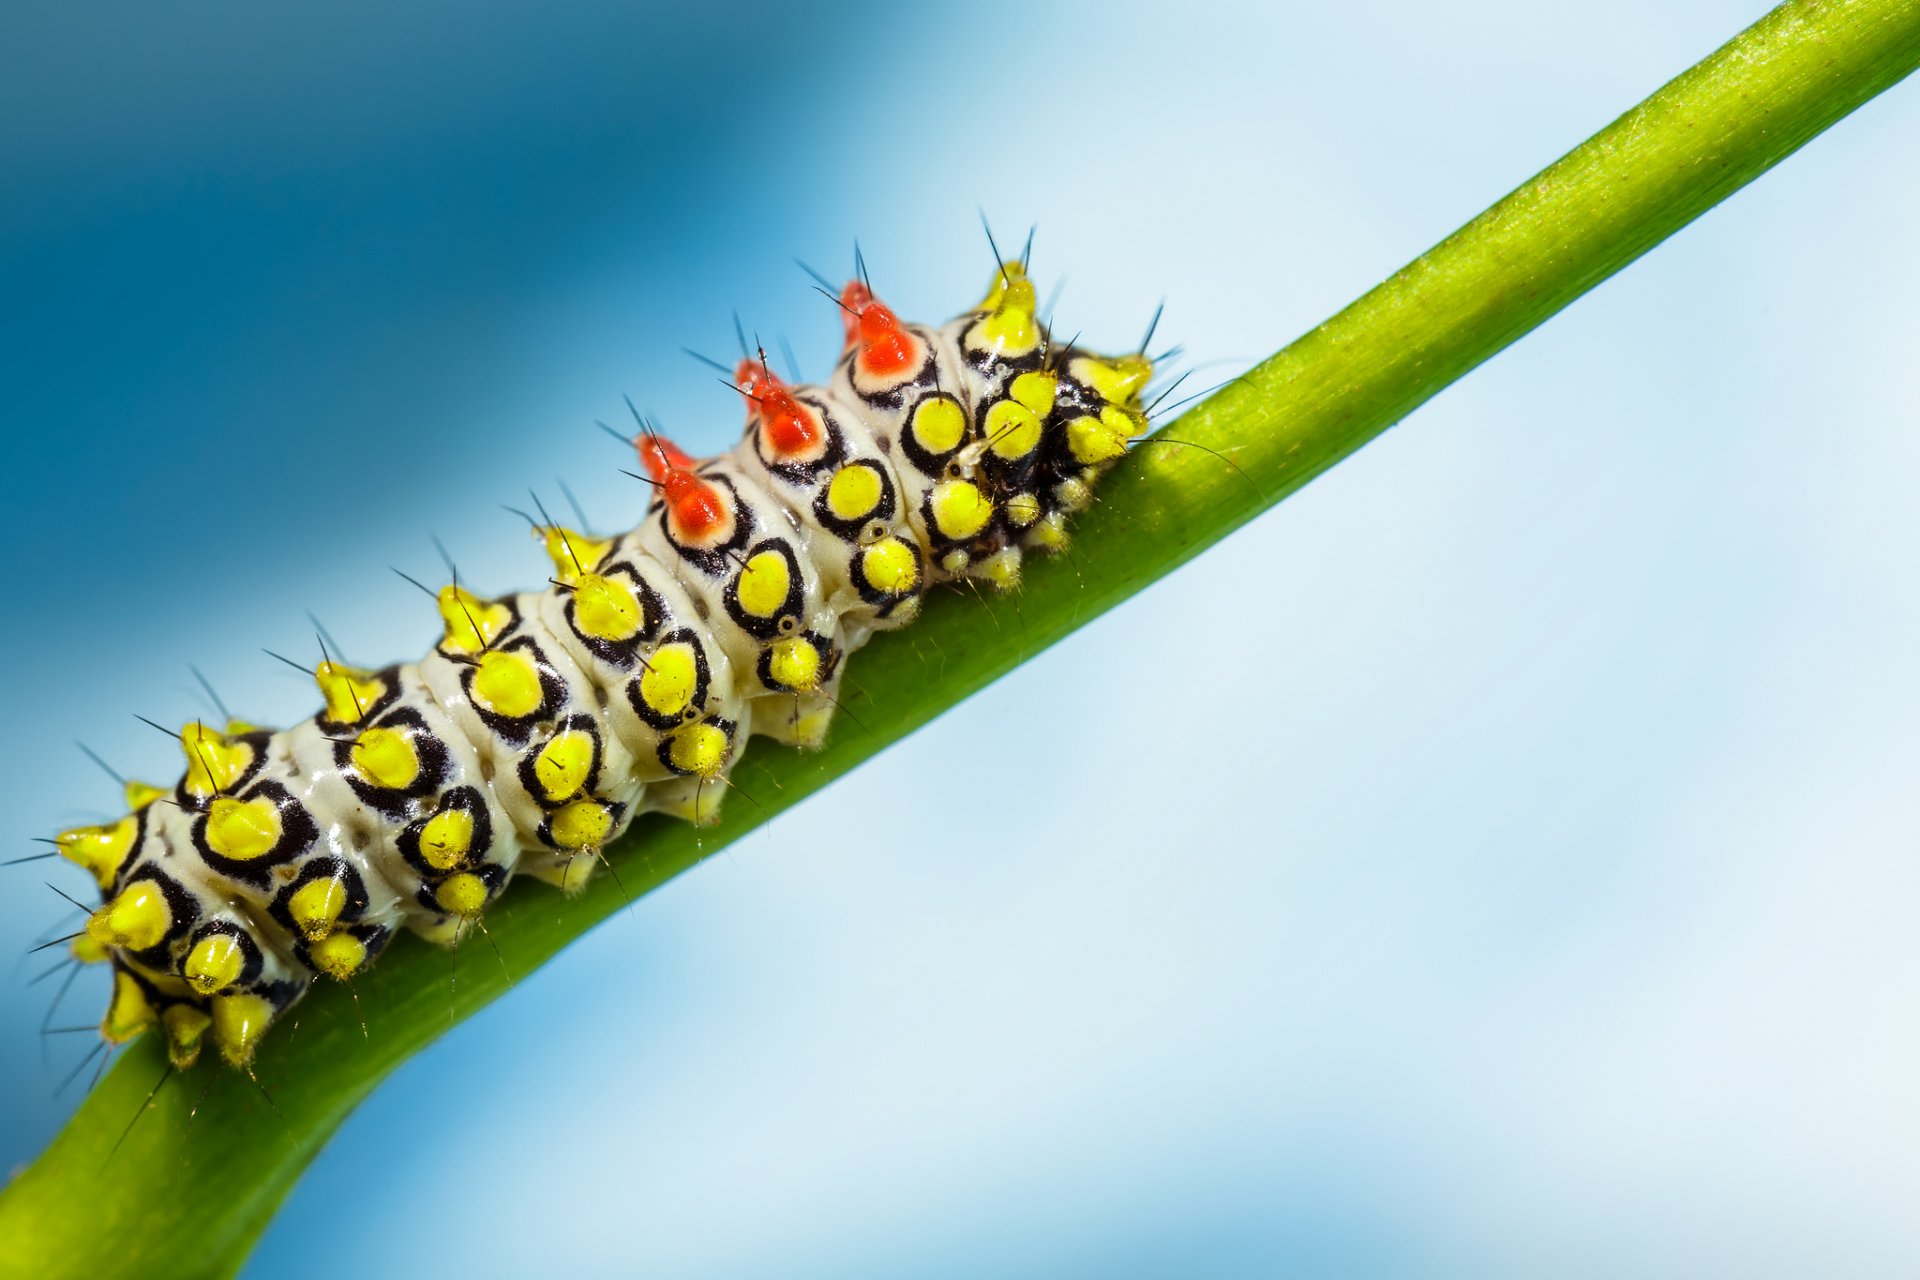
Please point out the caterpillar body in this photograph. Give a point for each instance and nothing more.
(542, 723)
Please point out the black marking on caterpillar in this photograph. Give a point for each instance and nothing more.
(542, 723)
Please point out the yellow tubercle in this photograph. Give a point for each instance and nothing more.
(101, 850)
(87, 950)
(243, 829)
(447, 839)
(1119, 381)
(563, 765)
(573, 554)
(349, 692)
(1011, 325)
(239, 1021)
(386, 758)
(1096, 440)
(699, 749)
(763, 585)
(605, 608)
(1011, 271)
(854, 491)
(1050, 534)
(471, 623)
(1001, 569)
(463, 894)
(1022, 510)
(316, 906)
(891, 566)
(670, 679)
(938, 425)
(1036, 390)
(507, 684)
(129, 1012)
(139, 918)
(186, 1027)
(214, 761)
(215, 963)
(1013, 430)
(794, 664)
(338, 955)
(584, 824)
(960, 509)
(142, 794)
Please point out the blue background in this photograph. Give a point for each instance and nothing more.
(1535, 895)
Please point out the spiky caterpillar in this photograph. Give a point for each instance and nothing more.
(542, 723)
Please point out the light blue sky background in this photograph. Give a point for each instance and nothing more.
(1535, 895)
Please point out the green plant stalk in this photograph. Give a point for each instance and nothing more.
(180, 1197)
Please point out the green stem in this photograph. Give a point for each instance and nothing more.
(179, 1197)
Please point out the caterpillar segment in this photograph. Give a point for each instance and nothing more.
(541, 723)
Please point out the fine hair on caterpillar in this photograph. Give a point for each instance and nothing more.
(543, 722)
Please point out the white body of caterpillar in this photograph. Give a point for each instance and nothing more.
(542, 723)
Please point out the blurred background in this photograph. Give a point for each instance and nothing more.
(1547, 907)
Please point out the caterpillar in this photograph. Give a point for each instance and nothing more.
(542, 723)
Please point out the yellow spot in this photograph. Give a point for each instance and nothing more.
(214, 763)
(573, 554)
(100, 850)
(1036, 390)
(563, 764)
(135, 920)
(1013, 430)
(794, 663)
(507, 684)
(955, 561)
(960, 510)
(698, 749)
(142, 794)
(463, 894)
(338, 955)
(938, 425)
(1119, 381)
(86, 950)
(854, 491)
(446, 839)
(671, 679)
(386, 758)
(1022, 510)
(764, 583)
(349, 692)
(584, 824)
(316, 906)
(214, 964)
(605, 608)
(472, 623)
(128, 1011)
(185, 1026)
(239, 1021)
(242, 829)
(890, 565)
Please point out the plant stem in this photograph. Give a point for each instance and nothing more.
(173, 1197)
